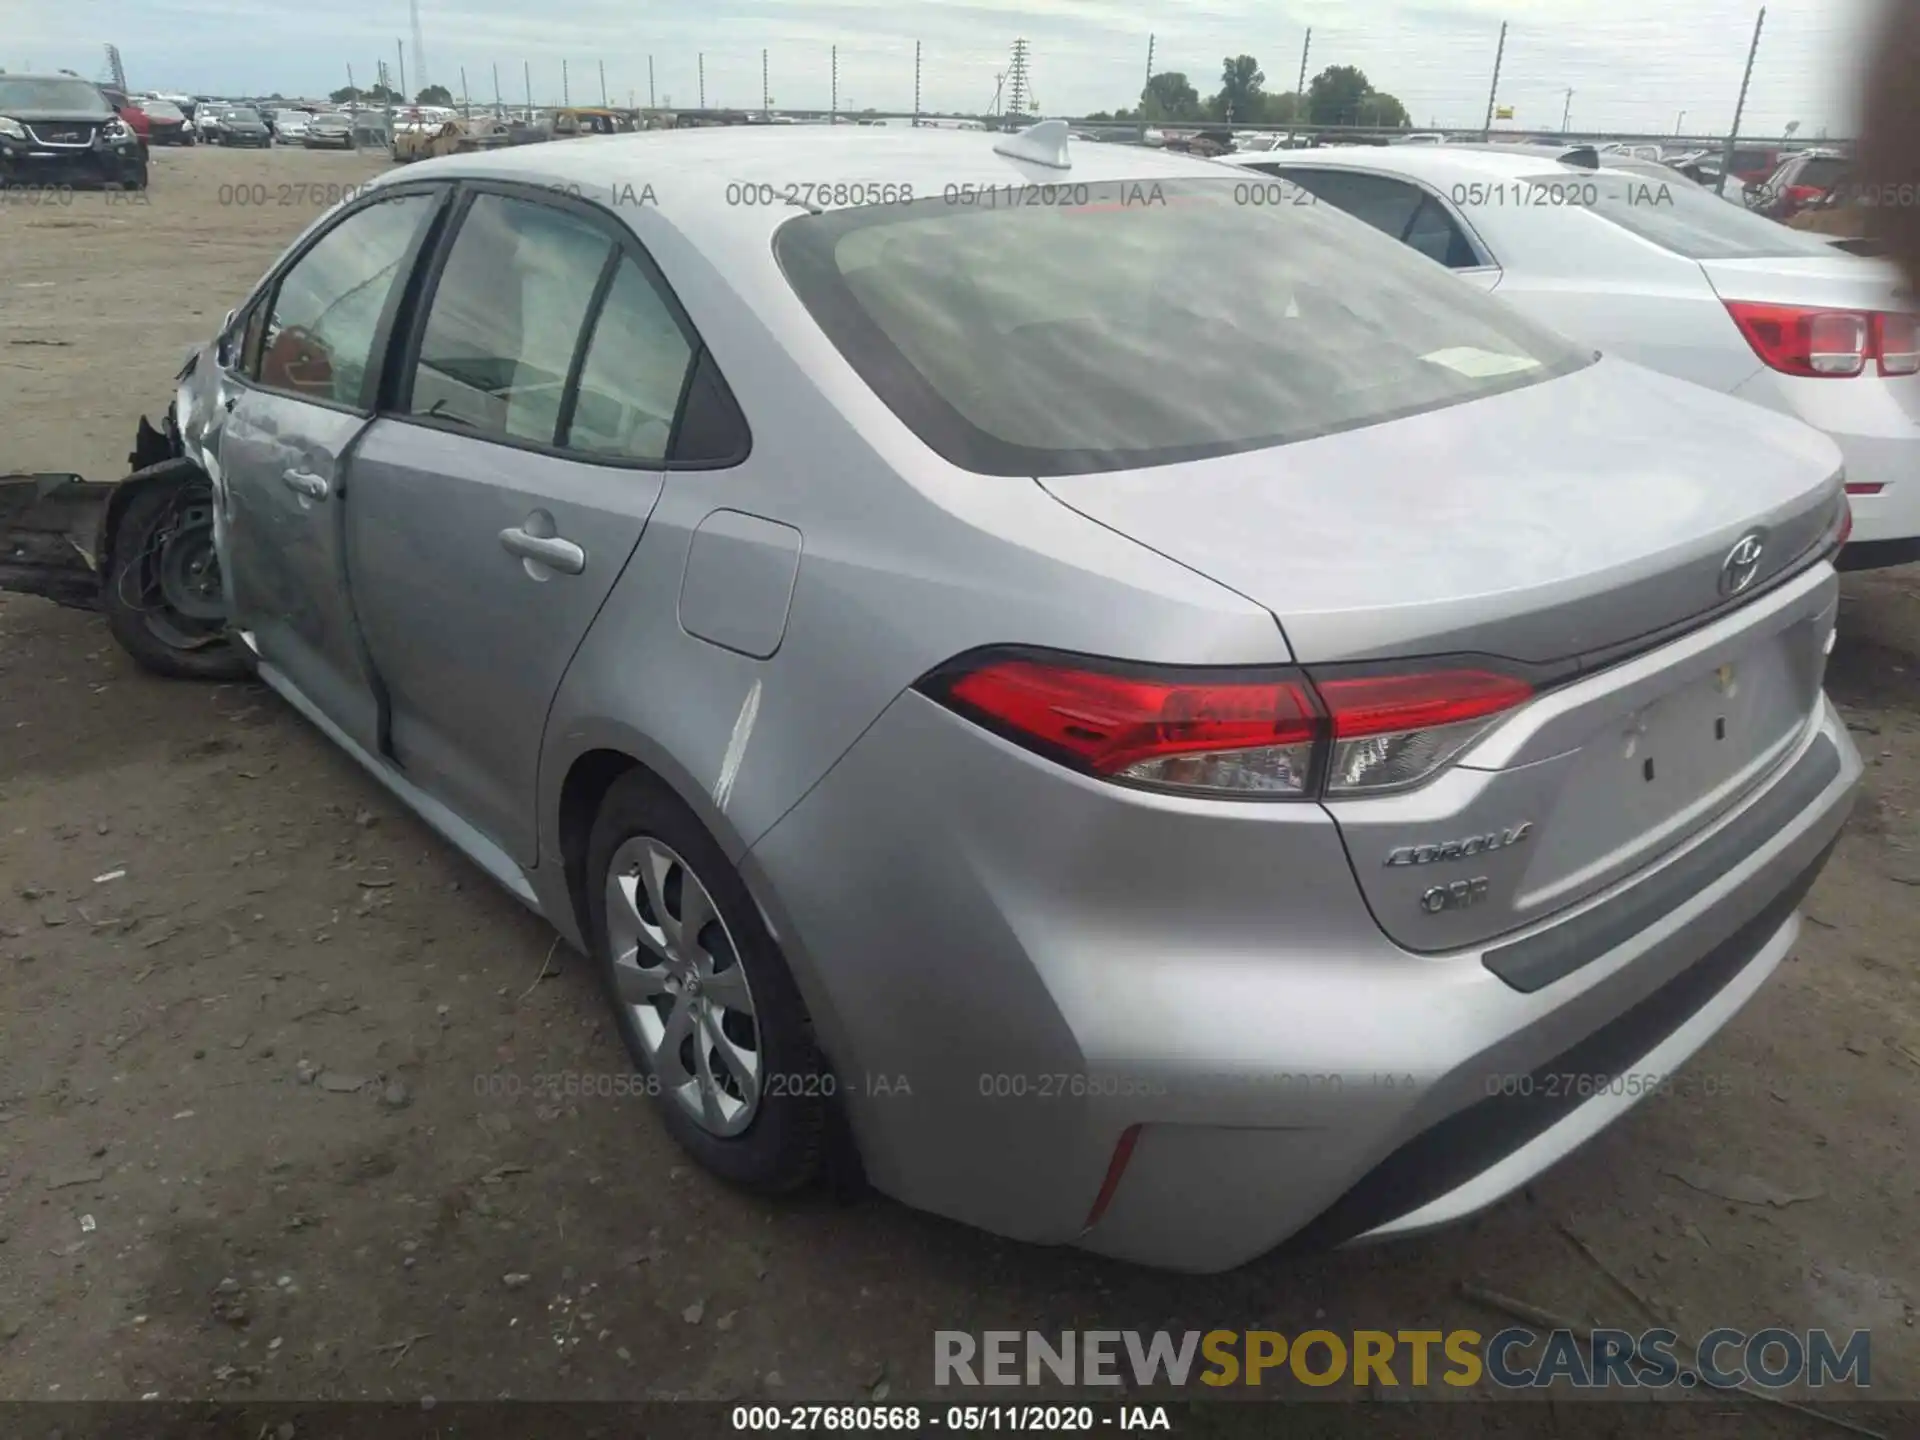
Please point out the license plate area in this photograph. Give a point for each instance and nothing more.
(1653, 775)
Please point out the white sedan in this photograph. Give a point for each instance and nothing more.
(1667, 274)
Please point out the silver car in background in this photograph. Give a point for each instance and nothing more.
(1162, 718)
(1666, 273)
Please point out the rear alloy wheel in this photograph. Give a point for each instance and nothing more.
(703, 1000)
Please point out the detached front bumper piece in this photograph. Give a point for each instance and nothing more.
(50, 529)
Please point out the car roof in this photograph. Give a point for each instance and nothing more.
(689, 170)
(1432, 163)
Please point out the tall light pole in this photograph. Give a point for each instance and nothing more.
(1566, 114)
(1680, 125)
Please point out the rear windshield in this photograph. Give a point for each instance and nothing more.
(1686, 219)
(1079, 328)
(52, 93)
(243, 114)
(161, 110)
(1824, 171)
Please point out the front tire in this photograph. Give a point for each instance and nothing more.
(702, 998)
(162, 591)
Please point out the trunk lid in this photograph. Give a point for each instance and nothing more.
(1565, 524)
(1567, 517)
(1838, 280)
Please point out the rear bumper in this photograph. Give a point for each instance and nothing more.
(1876, 424)
(1011, 968)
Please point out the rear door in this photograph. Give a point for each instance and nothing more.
(299, 401)
(501, 495)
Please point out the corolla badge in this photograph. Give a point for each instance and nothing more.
(1742, 565)
(1459, 849)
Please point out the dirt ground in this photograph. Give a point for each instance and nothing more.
(201, 901)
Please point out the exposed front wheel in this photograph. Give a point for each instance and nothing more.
(163, 593)
(702, 998)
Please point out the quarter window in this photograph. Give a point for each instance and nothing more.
(635, 371)
(325, 314)
(507, 318)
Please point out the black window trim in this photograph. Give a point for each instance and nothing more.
(267, 292)
(1483, 253)
(404, 346)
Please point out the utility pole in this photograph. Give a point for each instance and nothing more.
(703, 79)
(401, 50)
(351, 86)
(566, 89)
(497, 106)
(833, 112)
(1739, 109)
(1567, 113)
(1680, 125)
(1494, 93)
(766, 104)
(1145, 90)
(650, 104)
(466, 105)
(603, 84)
(526, 74)
(916, 84)
(1300, 90)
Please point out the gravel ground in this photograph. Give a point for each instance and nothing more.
(265, 1121)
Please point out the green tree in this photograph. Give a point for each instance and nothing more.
(1170, 96)
(1240, 98)
(345, 95)
(434, 95)
(1342, 95)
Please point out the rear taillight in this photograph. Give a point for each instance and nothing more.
(1898, 343)
(1242, 734)
(1829, 344)
(1391, 731)
(1844, 530)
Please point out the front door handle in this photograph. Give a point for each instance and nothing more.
(305, 482)
(548, 550)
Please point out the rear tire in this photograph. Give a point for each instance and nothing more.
(778, 1145)
(156, 588)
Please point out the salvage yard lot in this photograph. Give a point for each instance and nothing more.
(274, 1061)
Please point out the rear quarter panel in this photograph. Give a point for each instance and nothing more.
(1602, 286)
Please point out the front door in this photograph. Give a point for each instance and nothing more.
(286, 451)
(492, 513)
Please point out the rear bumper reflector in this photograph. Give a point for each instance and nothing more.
(1865, 487)
(1116, 1167)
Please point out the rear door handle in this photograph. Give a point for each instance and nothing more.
(549, 550)
(305, 482)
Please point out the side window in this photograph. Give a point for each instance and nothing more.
(1433, 233)
(1385, 204)
(506, 319)
(322, 321)
(635, 371)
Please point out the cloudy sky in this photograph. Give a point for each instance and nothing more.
(1631, 64)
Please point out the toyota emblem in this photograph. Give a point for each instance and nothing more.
(1742, 565)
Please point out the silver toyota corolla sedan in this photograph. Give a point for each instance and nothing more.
(1163, 718)
(1665, 272)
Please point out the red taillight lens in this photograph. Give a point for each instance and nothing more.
(1247, 733)
(1846, 517)
(1897, 343)
(1829, 344)
(1392, 731)
(1237, 733)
